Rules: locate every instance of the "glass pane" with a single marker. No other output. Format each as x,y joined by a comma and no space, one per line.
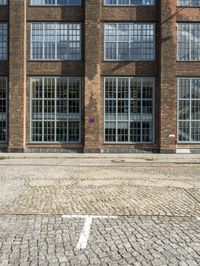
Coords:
55,109
189,109
129,109
56,41
184,131
3,109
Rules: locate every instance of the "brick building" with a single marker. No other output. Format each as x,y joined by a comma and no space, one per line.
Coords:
99,75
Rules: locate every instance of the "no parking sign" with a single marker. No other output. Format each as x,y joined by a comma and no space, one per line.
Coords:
91,120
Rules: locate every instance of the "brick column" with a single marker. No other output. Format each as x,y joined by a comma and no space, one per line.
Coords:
17,74
168,76
92,75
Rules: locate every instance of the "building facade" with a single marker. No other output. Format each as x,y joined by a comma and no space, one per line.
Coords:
99,75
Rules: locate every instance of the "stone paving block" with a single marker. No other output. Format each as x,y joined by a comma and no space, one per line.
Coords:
111,200
158,250
156,207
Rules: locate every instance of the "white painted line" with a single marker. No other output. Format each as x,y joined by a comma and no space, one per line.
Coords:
79,216
82,243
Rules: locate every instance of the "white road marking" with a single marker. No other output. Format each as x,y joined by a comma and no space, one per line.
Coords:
82,243
84,236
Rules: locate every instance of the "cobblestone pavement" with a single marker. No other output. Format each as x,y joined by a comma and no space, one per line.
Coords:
58,198
145,211
46,240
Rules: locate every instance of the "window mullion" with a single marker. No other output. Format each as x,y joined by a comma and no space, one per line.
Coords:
80,108
6,88
117,46
43,110
31,40
129,114
68,81
190,138
129,43
68,31
31,111
55,106
116,109
142,32
141,111
56,40
190,41
43,39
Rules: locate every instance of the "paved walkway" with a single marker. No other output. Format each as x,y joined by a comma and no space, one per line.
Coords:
99,210
103,156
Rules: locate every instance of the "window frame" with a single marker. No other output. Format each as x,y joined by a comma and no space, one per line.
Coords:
56,59
177,109
54,5
6,120
129,5
153,114
190,5
43,120
4,4
7,41
190,42
117,42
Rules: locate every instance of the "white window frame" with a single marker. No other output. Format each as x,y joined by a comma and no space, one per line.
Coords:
43,120
189,5
43,53
129,120
142,4
190,43
190,120
49,5
117,44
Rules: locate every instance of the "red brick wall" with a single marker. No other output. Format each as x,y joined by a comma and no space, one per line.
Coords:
92,75
168,86
17,75
93,68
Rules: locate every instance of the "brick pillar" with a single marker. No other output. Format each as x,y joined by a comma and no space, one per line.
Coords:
92,75
168,76
17,74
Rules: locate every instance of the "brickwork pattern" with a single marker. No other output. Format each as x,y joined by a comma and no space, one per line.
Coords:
92,68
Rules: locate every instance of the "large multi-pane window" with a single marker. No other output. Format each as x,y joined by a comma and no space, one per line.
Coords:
129,110
3,41
3,109
3,2
55,2
55,110
188,42
56,41
189,2
129,41
189,109
129,2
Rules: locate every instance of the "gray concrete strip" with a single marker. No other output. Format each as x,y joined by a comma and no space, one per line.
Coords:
117,156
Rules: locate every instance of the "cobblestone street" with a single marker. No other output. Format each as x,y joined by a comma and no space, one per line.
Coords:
100,210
